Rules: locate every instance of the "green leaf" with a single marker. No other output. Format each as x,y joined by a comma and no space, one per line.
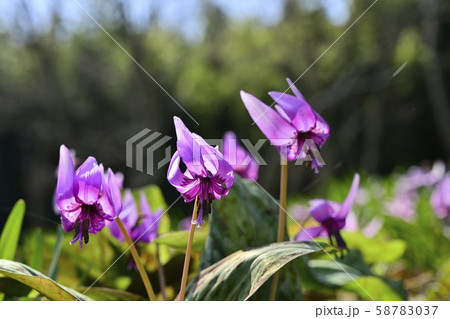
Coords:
179,239
376,249
13,288
37,259
109,294
374,287
34,279
246,217
11,232
53,268
332,273
240,275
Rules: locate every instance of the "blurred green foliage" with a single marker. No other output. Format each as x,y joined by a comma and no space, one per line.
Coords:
77,87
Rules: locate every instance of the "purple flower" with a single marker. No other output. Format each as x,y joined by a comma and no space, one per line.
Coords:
142,227
293,127
440,198
403,206
331,216
208,175
243,163
87,198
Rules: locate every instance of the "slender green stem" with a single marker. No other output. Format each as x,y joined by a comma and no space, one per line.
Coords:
187,257
281,221
137,260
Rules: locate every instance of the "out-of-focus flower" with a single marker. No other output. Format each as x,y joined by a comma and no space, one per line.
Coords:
331,216
440,198
142,227
87,198
417,177
184,224
294,128
405,199
243,163
403,206
369,230
208,175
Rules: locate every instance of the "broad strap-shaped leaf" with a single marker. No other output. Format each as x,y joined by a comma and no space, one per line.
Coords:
34,279
11,232
246,217
109,294
240,275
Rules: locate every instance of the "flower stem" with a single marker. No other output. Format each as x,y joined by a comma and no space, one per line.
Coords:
187,257
137,260
281,221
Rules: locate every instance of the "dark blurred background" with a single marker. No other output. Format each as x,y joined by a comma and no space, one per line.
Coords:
64,81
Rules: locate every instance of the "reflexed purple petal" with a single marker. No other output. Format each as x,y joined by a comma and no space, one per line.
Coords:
113,192
294,89
321,131
129,213
348,203
188,148
64,189
243,162
88,181
145,207
274,127
300,113
188,187
321,209
308,234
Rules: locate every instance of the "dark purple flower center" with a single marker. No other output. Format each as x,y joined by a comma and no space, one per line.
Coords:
83,223
333,226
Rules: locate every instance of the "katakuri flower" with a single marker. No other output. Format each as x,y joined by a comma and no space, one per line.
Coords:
331,216
440,198
87,198
144,227
208,175
294,128
243,163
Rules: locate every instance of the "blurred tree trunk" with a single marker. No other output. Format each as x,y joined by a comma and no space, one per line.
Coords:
433,74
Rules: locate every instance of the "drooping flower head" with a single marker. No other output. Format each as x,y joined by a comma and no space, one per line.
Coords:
143,227
440,198
243,163
87,198
294,128
208,175
331,216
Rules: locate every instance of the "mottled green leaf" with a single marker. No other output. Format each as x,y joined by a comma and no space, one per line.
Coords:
246,217
34,279
109,294
240,275
9,238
